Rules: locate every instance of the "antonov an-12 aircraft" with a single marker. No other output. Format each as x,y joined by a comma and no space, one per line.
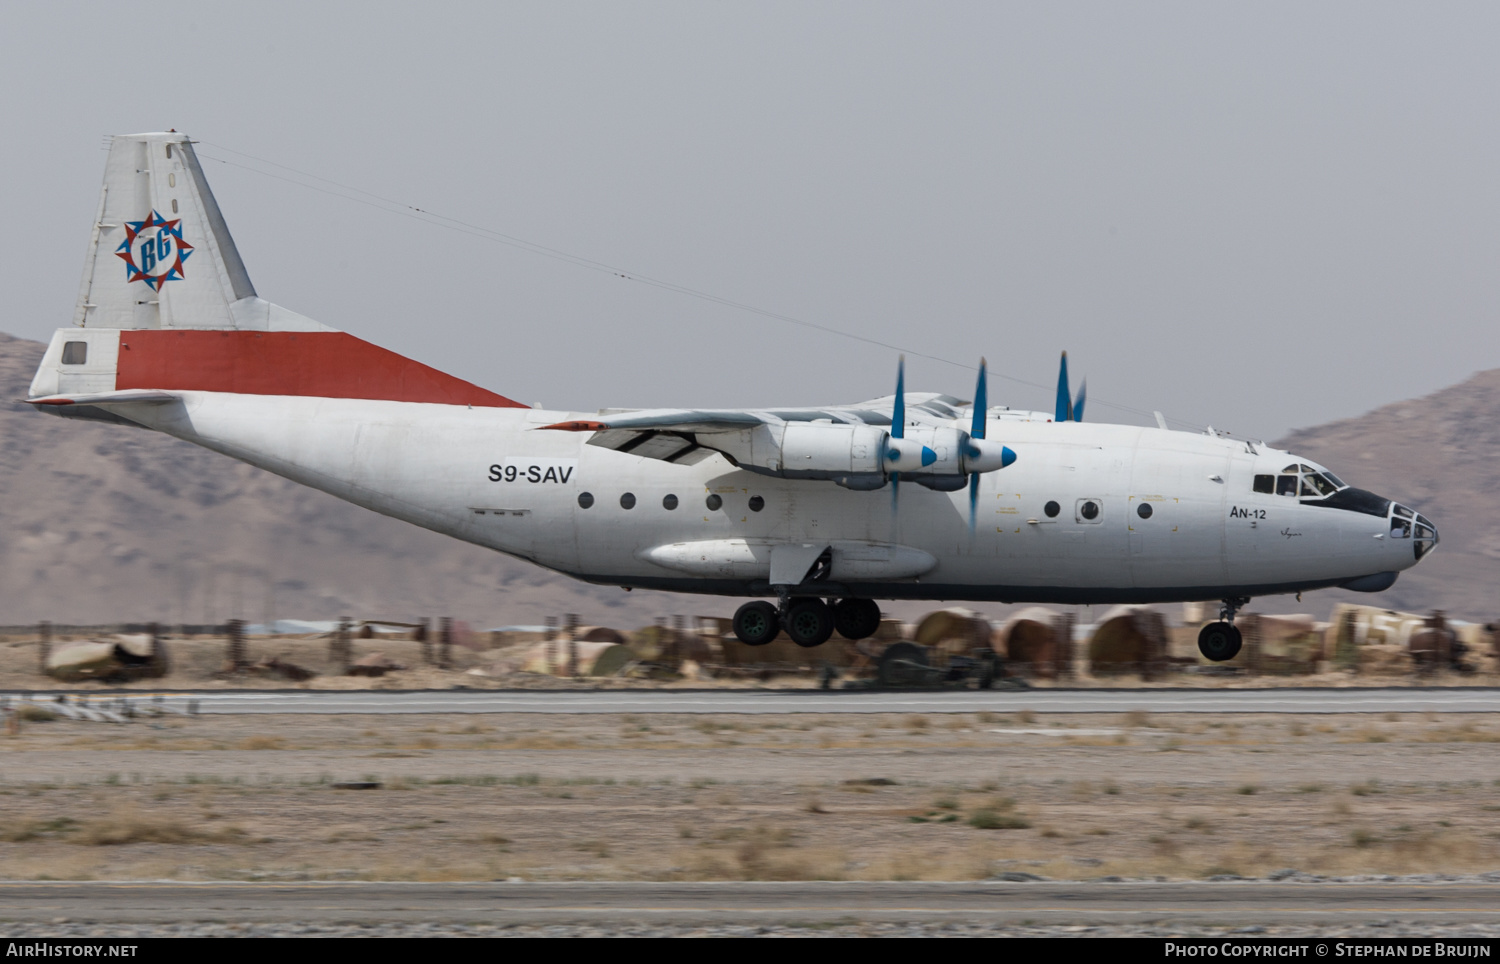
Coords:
823,509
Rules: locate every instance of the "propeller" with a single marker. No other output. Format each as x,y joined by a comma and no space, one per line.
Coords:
976,431
1067,409
977,454
898,429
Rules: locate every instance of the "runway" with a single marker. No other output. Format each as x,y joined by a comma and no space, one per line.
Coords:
1351,700
1260,902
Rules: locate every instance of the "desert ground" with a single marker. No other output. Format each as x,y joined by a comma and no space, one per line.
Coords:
771,797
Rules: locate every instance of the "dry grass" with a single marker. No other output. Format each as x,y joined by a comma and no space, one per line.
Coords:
987,819
127,825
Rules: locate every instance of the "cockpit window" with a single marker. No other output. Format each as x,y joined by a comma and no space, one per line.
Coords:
1316,486
1402,511
1302,479
1265,483
1400,529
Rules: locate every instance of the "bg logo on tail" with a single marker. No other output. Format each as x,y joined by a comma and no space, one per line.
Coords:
153,251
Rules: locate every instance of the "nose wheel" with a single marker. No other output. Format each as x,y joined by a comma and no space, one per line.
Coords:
1221,641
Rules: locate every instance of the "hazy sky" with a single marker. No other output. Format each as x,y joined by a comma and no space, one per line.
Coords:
1262,216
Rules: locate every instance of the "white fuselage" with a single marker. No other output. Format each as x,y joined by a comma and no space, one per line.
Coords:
492,477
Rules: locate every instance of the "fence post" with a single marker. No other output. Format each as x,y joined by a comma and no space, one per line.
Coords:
235,630
339,648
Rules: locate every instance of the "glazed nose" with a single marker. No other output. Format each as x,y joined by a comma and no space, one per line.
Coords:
1425,538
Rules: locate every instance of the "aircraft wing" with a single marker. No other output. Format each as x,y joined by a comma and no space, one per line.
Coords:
688,436
671,435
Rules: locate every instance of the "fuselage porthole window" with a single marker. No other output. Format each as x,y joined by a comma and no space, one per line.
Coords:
1089,510
714,503
585,499
1143,510
627,501
669,502
757,503
1052,509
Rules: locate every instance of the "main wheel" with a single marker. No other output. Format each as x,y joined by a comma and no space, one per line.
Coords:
755,623
809,622
1219,641
856,618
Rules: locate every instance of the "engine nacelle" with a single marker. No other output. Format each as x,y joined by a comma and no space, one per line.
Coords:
828,450
865,456
926,451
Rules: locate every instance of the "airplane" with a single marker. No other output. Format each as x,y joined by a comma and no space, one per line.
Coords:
813,512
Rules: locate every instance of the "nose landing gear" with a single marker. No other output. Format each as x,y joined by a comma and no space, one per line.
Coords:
1221,641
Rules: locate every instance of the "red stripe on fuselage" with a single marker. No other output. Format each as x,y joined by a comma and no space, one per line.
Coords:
326,364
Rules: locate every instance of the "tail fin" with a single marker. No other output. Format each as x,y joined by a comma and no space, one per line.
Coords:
161,255
167,305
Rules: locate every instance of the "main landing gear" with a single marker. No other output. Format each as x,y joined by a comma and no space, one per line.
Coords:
1221,641
808,620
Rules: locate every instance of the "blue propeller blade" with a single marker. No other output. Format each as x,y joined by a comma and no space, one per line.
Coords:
898,410
1064,396
1078,405
976,430
981,404
898,426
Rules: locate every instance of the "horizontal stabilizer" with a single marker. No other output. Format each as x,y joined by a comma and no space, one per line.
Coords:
131,397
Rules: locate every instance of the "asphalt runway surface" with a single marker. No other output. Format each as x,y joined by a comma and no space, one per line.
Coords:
1227,903
1350,700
